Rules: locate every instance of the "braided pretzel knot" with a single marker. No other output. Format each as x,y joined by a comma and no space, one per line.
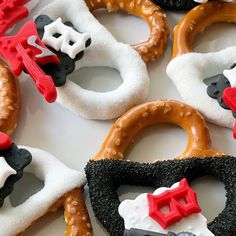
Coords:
156,44
197,20
130,124
9,99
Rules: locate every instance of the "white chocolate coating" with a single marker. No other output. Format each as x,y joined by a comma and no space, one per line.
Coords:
58,180
136,215
104,51
188,71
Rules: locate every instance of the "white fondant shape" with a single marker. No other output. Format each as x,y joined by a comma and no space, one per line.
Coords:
188,72
231,76
58,180
136,215
62,43
5,171
104,51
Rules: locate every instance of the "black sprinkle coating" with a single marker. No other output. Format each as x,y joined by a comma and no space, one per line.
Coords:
104,178
58,72
176,4
216,88
17,159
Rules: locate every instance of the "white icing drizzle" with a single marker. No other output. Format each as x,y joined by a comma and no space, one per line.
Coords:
5,171
136,215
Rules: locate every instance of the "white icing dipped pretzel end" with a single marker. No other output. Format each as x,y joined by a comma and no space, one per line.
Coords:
104,51
62,187
189,70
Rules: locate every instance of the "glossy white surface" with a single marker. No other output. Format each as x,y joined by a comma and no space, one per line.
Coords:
74,140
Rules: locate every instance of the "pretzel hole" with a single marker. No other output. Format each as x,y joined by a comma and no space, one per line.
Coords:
215,38
124,27
210,190
143,149
131,192
25,188
99,79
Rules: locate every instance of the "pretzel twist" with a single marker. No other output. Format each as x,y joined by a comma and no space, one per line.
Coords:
9,99
197,20
130,124
156,44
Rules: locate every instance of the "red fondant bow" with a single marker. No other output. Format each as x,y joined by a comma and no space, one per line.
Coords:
181,201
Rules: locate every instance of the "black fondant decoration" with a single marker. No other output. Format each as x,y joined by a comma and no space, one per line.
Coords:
139,232
17,159
105,177
67,65
216,88
176,4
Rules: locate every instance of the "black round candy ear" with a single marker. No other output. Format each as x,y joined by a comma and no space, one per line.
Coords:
105,176
17,159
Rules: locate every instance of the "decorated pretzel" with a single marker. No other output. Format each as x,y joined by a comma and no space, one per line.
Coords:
190,71
130,124
63,187
63,28
10,99
156,44
173,208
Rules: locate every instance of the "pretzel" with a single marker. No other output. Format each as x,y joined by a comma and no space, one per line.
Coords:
9,99
130,124
75,213
156,44
63,190
197,20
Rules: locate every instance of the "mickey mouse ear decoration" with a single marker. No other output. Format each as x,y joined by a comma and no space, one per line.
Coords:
12,163
66,42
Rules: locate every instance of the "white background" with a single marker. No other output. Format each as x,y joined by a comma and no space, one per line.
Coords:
74,140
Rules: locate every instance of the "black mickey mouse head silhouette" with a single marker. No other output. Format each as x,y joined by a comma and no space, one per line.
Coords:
60,71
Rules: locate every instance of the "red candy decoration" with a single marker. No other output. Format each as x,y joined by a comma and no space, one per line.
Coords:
229,97
5,141
11,11
24,52
181,201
